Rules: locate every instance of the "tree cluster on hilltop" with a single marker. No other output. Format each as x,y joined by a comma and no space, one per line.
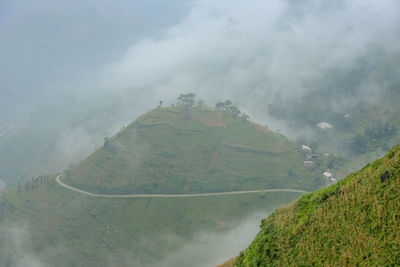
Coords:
228,106
186,100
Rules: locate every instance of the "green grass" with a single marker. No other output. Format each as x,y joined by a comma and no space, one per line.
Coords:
69,229
167,150
355,222
178,150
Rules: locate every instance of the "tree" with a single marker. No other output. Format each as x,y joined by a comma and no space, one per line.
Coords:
359,144
228,104
235,111
244,116
220,105
109,146
314,146
186,100
335,161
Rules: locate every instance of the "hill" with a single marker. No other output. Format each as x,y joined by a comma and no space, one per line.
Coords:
359,102
192,150
60,227
354,222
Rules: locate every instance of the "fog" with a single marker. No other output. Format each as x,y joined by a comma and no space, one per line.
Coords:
45,45
210,248
107,62
206,248
18,250
74,72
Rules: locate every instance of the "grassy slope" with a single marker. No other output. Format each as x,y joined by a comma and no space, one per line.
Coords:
176,150
354,222
68,229
65,228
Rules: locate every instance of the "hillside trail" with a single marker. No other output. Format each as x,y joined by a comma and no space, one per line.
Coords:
175,195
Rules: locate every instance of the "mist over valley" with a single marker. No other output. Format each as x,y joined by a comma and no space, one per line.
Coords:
164,133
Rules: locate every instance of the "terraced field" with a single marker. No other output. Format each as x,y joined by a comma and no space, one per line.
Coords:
200,150
64,228
195,152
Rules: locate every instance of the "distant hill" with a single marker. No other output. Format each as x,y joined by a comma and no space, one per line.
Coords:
355,222
359,102
192,150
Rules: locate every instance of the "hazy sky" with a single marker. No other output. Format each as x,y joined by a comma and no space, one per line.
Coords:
61,59
246,51
103,63
46,47
157,49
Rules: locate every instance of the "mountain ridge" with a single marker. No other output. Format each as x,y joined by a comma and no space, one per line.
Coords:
67,228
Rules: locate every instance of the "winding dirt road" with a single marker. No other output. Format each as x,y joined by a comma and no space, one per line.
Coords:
175,195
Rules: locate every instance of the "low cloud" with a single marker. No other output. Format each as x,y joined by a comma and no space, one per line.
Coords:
211,248
206,248
17,252
251,53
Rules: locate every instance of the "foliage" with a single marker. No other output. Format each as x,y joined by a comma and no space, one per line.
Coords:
354,222
364,120
162,151
187,100
334,161
375,136
229,107
65,228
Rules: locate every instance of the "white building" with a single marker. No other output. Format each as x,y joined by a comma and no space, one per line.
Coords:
324,125
306,148
328,176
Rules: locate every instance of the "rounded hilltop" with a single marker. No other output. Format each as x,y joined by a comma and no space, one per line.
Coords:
187,149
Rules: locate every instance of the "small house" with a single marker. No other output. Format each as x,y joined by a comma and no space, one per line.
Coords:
324,125
312,156
306,148
328,176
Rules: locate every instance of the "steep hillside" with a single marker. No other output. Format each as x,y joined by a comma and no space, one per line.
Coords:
59,227
182,150
355,222
166,150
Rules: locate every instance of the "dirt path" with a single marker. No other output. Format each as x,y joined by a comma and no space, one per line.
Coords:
175,195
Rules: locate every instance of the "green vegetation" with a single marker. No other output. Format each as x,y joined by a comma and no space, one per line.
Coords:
187,149
352,223
365,120
35,149
64,228
179,149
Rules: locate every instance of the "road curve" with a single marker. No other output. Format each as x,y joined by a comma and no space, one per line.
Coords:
175,195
